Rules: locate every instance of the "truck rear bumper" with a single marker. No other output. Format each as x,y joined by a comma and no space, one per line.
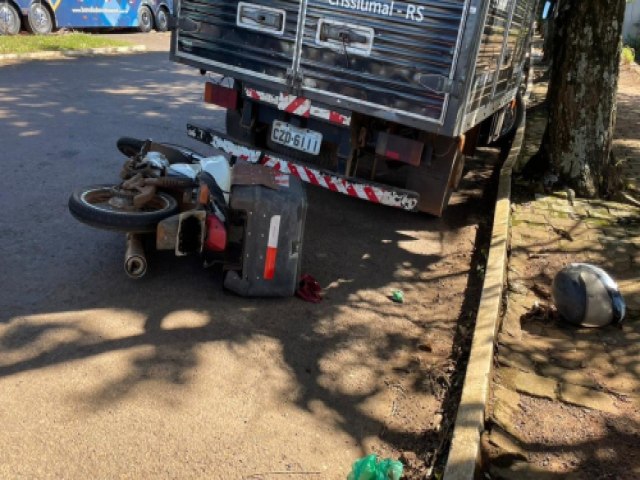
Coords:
352,187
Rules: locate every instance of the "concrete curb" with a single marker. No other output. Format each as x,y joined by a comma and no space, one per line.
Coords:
463,459
89,52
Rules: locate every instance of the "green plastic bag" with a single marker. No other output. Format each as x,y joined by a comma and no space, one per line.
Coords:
369,468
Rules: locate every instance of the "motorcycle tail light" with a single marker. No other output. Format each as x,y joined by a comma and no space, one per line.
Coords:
203,194
216,240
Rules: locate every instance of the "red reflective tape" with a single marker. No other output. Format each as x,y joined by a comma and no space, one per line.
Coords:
331,184
392,154
294,170
335,117
270,263
253,93
272,248
370,194
270,162
293,106
350,190
312,178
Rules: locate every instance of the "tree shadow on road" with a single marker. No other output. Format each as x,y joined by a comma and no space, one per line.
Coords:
382,370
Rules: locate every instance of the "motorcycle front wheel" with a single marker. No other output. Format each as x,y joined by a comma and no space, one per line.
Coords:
91,205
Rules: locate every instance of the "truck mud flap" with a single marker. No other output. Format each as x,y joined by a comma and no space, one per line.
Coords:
352,187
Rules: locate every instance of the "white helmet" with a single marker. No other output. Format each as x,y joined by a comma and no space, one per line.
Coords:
586,295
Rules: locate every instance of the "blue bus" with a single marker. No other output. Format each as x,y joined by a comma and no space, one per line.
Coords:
44,16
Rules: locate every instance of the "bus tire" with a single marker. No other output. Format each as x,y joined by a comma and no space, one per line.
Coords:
162,20
9,19
39,19
145,19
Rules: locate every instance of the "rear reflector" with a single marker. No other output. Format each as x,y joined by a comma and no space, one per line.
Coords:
222,96
399,148
272,248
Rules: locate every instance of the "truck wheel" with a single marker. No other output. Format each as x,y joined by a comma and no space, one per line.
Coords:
9,20
162,20
39,19
438,179
145,19
512,120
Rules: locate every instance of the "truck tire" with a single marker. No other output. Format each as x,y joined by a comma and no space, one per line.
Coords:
90,205
145,19
437,180
9,19
39,19
162,20
513,119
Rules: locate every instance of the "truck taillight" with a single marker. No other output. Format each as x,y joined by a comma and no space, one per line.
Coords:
219,95
399,148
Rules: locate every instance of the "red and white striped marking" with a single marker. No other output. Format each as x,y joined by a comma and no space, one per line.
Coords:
282,180
373,193
330,182
298,106
272,248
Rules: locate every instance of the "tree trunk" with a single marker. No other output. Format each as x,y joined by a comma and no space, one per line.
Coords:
582,93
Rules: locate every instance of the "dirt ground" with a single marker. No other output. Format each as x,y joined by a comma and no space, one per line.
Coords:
562,440
279,385
170,377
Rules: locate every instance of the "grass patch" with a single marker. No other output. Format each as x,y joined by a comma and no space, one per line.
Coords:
58,42
628,55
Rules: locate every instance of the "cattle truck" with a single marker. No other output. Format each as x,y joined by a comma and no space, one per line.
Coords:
375,99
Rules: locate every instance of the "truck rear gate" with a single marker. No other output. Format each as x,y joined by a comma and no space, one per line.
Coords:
363,54
419,75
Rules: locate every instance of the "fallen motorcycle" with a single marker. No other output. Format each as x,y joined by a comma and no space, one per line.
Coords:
248,218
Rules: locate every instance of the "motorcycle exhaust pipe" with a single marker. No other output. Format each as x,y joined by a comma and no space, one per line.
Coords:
135,262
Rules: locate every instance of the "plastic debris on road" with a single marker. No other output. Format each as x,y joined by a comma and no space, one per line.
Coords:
397,296
370,468
309,289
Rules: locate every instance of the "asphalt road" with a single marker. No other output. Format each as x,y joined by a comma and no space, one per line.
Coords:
169,377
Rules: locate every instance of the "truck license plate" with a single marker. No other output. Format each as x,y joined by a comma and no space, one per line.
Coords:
299,138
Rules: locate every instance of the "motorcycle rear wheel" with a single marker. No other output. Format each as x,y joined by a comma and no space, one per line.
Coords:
90,205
